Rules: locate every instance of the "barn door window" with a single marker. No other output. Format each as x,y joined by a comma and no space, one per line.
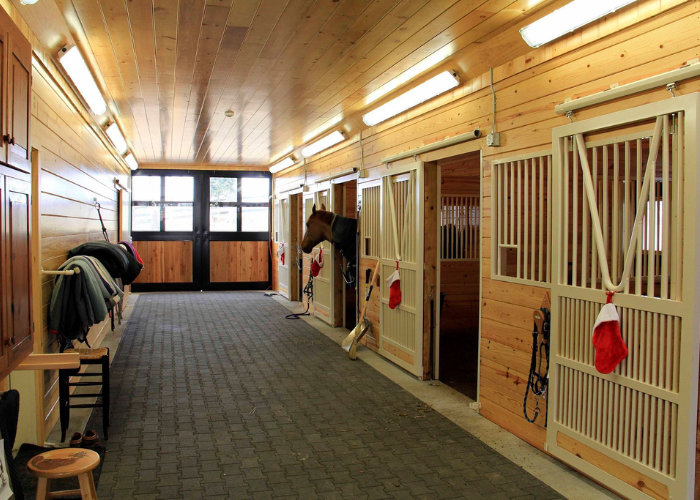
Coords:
521,226
460,227
369,221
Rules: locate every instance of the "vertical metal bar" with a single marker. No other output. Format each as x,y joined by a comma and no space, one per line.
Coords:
541,231
512,204
549,219
574,224
519,215
639,259
652,240
627,210
665,209
585,214
606,211
615,244
526,221
594,254
677,249
533,226
565,214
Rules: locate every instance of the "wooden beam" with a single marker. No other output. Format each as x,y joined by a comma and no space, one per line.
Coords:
431,211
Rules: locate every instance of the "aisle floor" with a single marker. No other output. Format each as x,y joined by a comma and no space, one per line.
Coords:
216,395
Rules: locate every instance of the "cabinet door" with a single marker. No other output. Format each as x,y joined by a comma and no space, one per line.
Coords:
3,88
18,244
5,345
19,104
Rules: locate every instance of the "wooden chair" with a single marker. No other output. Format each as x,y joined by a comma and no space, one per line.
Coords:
62,463
98,356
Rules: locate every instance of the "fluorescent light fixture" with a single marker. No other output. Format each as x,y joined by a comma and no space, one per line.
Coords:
74,64
330,140
131,161
28,2
567,19
433,59
423,92
326,126
281,165
115,135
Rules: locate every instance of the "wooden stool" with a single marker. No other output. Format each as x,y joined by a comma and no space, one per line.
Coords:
62,463
98,356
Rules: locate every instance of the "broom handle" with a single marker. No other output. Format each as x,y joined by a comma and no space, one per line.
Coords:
369,292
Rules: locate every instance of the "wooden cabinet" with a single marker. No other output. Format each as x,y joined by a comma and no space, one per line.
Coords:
15,95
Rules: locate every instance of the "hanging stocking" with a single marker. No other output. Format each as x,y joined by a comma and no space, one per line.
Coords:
317,264
610,349
394,284
281,252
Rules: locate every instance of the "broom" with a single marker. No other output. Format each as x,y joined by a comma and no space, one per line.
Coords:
350,342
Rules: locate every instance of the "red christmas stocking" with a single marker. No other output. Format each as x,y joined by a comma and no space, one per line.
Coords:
394,284
317,264
610,349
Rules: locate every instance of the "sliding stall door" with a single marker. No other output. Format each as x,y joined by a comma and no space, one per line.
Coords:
324,282
625,218
282,234
402,247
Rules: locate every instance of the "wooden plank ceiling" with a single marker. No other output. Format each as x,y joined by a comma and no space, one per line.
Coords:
287,68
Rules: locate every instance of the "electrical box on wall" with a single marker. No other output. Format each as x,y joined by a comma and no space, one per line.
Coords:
493,139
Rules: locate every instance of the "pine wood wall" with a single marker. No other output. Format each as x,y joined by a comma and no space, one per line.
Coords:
652,37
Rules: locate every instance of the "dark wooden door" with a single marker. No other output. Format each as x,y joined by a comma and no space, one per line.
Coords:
19,94
18,238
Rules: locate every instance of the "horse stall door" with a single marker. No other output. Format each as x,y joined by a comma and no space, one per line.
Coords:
402,248
323,283
369,200
625,220
284,252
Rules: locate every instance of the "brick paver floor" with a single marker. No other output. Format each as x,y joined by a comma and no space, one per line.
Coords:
216,395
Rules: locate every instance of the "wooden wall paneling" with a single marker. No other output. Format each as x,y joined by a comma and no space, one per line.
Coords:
238,261
165,261
373,336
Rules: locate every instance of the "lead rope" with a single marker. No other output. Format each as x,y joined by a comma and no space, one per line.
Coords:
309,292
536,382
104,229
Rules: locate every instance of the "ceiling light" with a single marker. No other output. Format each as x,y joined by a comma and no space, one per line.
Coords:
28,2
115,135
427,90
74,64
433,59
325,143
567,19
131,161
281,165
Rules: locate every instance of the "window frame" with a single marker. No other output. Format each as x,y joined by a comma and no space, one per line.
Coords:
201,206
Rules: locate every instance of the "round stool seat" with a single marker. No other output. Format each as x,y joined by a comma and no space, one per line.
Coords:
63,462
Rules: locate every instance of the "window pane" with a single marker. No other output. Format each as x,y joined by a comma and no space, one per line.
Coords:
146,188
223,219
254,219
223,189
179,188
146,218
179,217
255,189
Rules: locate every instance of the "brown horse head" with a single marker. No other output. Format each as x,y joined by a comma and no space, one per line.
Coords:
318,228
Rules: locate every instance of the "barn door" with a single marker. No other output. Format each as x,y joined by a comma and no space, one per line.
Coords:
323,283
625,220
283,237
402,247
